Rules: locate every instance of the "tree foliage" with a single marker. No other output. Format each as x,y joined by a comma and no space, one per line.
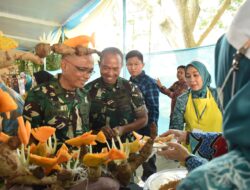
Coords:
192,16
53,62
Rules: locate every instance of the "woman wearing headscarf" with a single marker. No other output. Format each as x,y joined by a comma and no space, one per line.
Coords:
232,170
198,108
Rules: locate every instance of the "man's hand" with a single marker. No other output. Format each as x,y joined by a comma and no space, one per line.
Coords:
174,151
108,132
179,135
158,82
119,130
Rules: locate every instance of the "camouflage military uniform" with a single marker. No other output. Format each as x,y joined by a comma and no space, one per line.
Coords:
113,105
50,104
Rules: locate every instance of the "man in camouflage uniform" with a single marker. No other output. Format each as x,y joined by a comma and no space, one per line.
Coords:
62,102
117,105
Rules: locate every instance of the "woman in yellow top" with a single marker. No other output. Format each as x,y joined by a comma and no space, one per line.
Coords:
198,110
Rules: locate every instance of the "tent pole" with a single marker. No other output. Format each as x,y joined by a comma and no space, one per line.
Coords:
124,34
44,64
63,34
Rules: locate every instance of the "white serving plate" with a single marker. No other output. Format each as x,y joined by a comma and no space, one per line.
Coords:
155,181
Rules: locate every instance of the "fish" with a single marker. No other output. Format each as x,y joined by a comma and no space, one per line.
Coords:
82,40
7,43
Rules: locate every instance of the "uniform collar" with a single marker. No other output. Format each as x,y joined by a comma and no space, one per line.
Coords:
138,77
72,92
117,85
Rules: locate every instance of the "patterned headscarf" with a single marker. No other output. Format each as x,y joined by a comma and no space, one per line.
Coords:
236,123
206,78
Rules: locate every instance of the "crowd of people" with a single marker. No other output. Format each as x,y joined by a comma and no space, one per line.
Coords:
211,127
21,83
231,169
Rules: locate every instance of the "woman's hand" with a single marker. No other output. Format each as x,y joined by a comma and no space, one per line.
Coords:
174,151
179,135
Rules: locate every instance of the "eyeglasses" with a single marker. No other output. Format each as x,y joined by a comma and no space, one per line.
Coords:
82,69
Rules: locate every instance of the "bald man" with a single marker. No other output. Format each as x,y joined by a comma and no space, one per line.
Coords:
62,102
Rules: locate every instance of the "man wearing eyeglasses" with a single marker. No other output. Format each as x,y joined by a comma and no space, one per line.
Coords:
62,102
117,105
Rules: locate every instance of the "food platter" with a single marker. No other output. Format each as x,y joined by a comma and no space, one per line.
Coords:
155,181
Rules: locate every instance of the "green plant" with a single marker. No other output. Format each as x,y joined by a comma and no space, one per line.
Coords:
28,67
53,62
